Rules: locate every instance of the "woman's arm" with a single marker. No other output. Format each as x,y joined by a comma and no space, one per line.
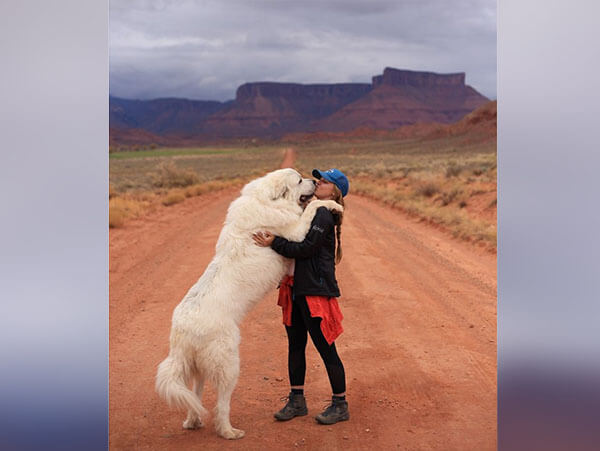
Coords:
320,226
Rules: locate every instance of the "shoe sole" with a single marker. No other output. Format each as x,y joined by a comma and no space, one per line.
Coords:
322,420
301,414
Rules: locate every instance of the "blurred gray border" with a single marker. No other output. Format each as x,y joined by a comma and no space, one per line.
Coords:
54,228
54,235
548,225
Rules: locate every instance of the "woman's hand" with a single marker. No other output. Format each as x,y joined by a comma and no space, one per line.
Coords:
263,239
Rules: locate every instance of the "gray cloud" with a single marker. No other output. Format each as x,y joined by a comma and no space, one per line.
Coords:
206,49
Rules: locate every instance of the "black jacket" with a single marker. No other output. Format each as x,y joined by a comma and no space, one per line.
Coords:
314,273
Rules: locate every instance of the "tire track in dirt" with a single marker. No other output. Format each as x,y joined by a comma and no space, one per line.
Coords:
419,376
289,158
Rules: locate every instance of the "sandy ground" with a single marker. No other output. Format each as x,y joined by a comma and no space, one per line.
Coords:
419,345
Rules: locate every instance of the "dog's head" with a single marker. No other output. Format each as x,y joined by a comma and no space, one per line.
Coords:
285,184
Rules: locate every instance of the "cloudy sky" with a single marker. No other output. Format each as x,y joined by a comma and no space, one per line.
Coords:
203,49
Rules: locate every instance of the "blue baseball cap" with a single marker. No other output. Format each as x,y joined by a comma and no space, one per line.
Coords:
334,176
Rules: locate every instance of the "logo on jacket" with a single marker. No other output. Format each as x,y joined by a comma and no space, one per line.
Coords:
316,227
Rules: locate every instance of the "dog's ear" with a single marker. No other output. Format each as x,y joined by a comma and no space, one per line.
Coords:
277,186
267,188
281,194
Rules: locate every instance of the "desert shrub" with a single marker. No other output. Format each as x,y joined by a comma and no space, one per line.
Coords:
198,190
169,176
145,196
121,208
462,204
173,197
452,171
493,203
448,197
379,170
401,172
427,189
116,217
192,191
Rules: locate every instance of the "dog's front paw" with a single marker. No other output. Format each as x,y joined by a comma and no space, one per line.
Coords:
329,204
232,434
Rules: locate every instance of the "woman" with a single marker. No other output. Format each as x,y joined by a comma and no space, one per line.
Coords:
313,306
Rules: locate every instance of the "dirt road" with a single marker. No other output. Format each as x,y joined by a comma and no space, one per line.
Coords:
419,345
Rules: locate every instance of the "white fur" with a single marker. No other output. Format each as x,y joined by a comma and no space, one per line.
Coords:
205,333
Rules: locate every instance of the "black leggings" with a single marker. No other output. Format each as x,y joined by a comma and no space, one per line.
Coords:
297,338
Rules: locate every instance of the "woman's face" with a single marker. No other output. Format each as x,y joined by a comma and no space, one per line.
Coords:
324,190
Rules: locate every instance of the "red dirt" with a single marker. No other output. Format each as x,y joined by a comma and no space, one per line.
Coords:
482,206
419,345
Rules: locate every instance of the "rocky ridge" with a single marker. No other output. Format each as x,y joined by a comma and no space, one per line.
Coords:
270,109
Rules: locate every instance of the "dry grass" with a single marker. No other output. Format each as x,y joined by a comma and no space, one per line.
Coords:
436,180
447,197
173,197
122,208
133,204
453,170
173,168
169,176
457,221
427,189
142,181
432,180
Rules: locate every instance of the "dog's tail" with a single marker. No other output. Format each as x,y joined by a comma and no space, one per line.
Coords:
171,385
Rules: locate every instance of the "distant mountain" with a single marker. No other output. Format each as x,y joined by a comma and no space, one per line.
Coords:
483,120
269,109
161,116
403,97
477,126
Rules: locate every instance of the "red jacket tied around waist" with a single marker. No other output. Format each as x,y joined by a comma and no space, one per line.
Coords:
324,307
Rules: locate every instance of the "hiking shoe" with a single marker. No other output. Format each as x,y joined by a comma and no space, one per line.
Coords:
337,411
295,407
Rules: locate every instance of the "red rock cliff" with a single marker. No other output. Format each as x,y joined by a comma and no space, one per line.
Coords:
400,77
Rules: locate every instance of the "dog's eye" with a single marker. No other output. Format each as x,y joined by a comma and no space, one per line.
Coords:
299,181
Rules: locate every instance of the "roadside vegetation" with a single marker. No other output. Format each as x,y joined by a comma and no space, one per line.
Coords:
142,181
449,182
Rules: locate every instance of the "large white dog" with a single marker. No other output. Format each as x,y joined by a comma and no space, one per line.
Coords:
205,333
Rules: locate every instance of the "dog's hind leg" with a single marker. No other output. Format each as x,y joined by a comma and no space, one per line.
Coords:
193,421
225,380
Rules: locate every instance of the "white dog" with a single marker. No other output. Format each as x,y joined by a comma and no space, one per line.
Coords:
205,333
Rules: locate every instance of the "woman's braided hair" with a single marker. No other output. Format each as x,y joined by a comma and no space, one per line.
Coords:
338,217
